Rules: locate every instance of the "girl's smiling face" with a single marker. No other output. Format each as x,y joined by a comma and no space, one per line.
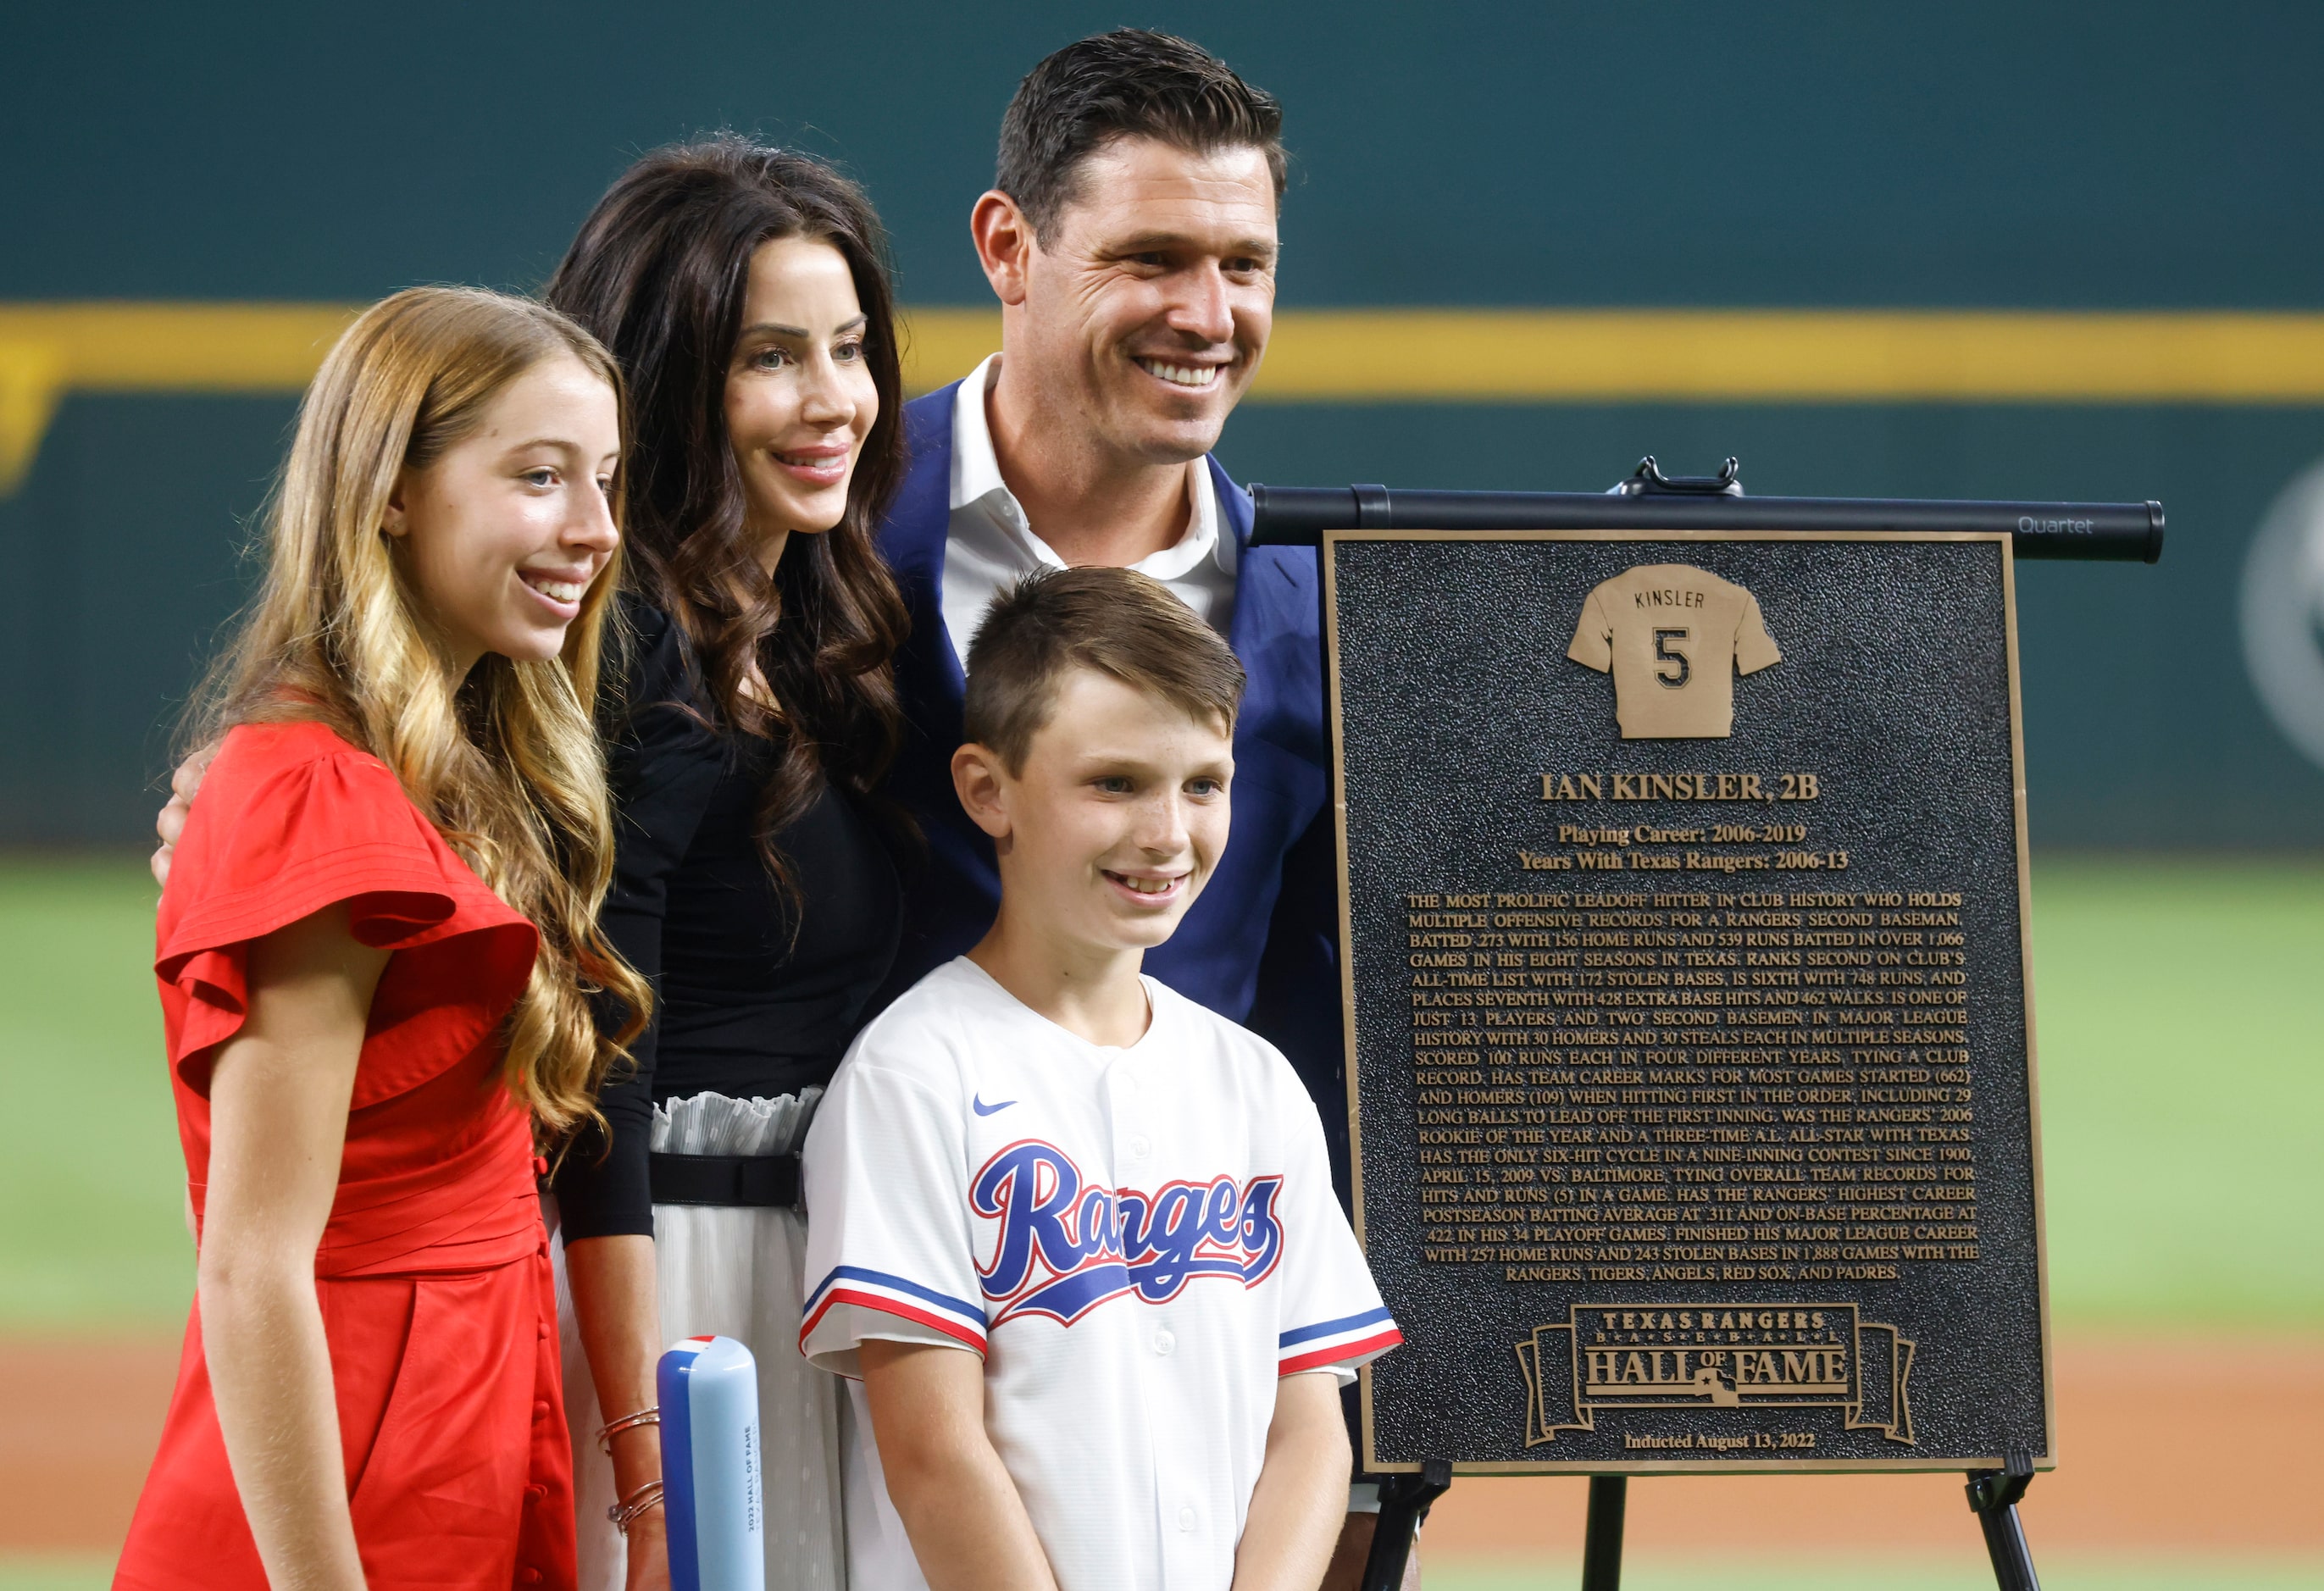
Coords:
505,532
799,393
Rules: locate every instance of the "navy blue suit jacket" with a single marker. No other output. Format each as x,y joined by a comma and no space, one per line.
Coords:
1260,944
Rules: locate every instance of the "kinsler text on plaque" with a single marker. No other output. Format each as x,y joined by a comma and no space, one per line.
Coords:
1691,1047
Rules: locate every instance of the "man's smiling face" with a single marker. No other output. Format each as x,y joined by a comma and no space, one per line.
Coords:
1148,304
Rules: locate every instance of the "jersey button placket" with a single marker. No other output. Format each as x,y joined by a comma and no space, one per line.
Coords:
1133,1146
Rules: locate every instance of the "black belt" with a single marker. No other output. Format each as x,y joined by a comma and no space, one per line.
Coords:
753,1181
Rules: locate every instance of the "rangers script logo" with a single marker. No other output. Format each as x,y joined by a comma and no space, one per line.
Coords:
1063,1248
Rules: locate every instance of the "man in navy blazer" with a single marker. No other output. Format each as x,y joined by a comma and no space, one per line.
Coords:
1130,236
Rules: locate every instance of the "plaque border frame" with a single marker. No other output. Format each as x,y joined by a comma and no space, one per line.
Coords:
1369,1460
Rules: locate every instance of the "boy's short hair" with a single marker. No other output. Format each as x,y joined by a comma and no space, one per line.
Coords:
1117,622
1130,83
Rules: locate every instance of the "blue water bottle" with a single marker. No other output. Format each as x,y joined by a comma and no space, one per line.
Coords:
711,1499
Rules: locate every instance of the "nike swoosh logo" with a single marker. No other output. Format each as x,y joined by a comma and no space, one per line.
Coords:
981,1109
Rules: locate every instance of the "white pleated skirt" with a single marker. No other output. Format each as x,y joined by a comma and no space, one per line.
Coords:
738,1272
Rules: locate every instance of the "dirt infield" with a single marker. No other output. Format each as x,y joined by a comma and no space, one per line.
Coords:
78,1420
2167,1443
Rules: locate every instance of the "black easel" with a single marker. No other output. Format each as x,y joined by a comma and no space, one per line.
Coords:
1993,1495
1404,1503
1405,1499
1601,1546
1601,1535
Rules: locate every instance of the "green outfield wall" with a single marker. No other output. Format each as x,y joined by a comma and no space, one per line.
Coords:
2141,160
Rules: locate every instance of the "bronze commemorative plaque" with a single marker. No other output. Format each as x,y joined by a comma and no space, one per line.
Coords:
1691,1043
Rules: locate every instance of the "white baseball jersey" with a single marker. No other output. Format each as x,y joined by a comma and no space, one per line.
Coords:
1139,1241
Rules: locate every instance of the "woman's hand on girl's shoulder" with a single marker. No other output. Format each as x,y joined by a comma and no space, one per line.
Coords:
170,822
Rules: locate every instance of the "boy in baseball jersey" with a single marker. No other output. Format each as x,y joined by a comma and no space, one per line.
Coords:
1073,1234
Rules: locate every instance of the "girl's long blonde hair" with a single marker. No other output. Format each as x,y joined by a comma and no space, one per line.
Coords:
506,763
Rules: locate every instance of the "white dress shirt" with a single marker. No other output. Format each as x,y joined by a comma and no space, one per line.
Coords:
990,546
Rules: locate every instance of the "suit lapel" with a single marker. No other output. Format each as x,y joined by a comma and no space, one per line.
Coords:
912,539
1243,625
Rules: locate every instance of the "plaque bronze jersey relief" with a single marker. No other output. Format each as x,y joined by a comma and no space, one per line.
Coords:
1691,1039
1673,638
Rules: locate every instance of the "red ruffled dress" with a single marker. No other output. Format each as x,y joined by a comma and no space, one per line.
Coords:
433,1272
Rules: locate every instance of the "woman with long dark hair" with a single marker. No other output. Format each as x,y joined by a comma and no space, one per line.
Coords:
750,715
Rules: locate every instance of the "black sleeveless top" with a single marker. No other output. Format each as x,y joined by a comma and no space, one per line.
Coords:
753,999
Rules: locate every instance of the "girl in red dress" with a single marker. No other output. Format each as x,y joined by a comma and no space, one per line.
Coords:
375,953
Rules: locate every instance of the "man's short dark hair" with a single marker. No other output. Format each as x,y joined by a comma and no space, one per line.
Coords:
1116,621
1130,83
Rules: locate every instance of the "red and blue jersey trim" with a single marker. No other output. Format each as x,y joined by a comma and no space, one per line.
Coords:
1350,1340
891,1294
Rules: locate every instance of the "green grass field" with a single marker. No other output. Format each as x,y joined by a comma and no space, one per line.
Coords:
2179,1006
2180,1010
93,1237
2180,1025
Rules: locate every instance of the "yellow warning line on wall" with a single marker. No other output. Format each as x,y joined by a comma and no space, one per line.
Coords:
1806,356
1353,356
